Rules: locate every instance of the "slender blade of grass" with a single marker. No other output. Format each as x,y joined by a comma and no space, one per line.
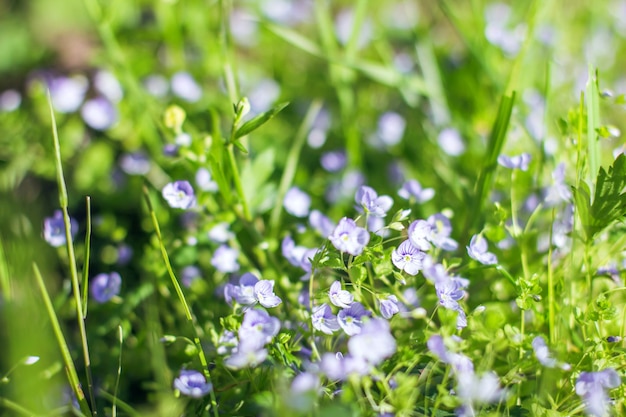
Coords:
85,284
292,163
5,280
593,123
63,201
495,144
65,351
182,299
119,373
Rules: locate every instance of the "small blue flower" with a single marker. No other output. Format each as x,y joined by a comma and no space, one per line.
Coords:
440,231
54,229
99,113
419,234
477,250
542,353
192,383
351,319
136,163
373,343
340,298
389,307
105,286
413,189
322,224
408,258
333,161
179,194
264,293
592,388
225,259
190,274
297,202
185,87
324,320
515,162
369,200
348,237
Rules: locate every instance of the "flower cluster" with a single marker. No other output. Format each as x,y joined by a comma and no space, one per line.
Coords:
257,329
251,290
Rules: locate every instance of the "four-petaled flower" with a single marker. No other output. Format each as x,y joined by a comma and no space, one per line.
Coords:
340,298
351,319
477,250
348,237
324,320
515,162
413,189
179,194
54,229
297,202
192,383
408,258
225,259
105,286
377,206
592,387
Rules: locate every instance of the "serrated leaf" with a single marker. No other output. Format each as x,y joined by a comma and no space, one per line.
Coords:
609,200
259,120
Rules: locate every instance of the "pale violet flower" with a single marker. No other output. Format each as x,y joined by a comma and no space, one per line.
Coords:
373,343
369,200
515,162
10,100
322,224
135,163
592,387
179,194
252,290
324,320
413,189
264,293
339,367
192,384
107,85
419,234
221,233
340,298
204,180
333,161
440,232
450,142
225,259
99,113
389,307
408,258
297,202
67,93
351,319
348,237
190,274
391,128
54,229
477,250
542,353
258,328
105,286
185,87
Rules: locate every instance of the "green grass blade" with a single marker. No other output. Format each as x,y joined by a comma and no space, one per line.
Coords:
85,284
292,163
495,144
65,351
181,297
119,373
5,279
593,123
63,201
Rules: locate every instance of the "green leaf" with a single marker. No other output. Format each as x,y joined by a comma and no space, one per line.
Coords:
295,39
255,177
609,200
258,121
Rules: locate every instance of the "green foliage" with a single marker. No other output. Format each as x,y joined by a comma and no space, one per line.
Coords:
609,199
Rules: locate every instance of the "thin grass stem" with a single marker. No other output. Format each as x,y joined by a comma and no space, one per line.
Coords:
65,351
182,299
63,201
